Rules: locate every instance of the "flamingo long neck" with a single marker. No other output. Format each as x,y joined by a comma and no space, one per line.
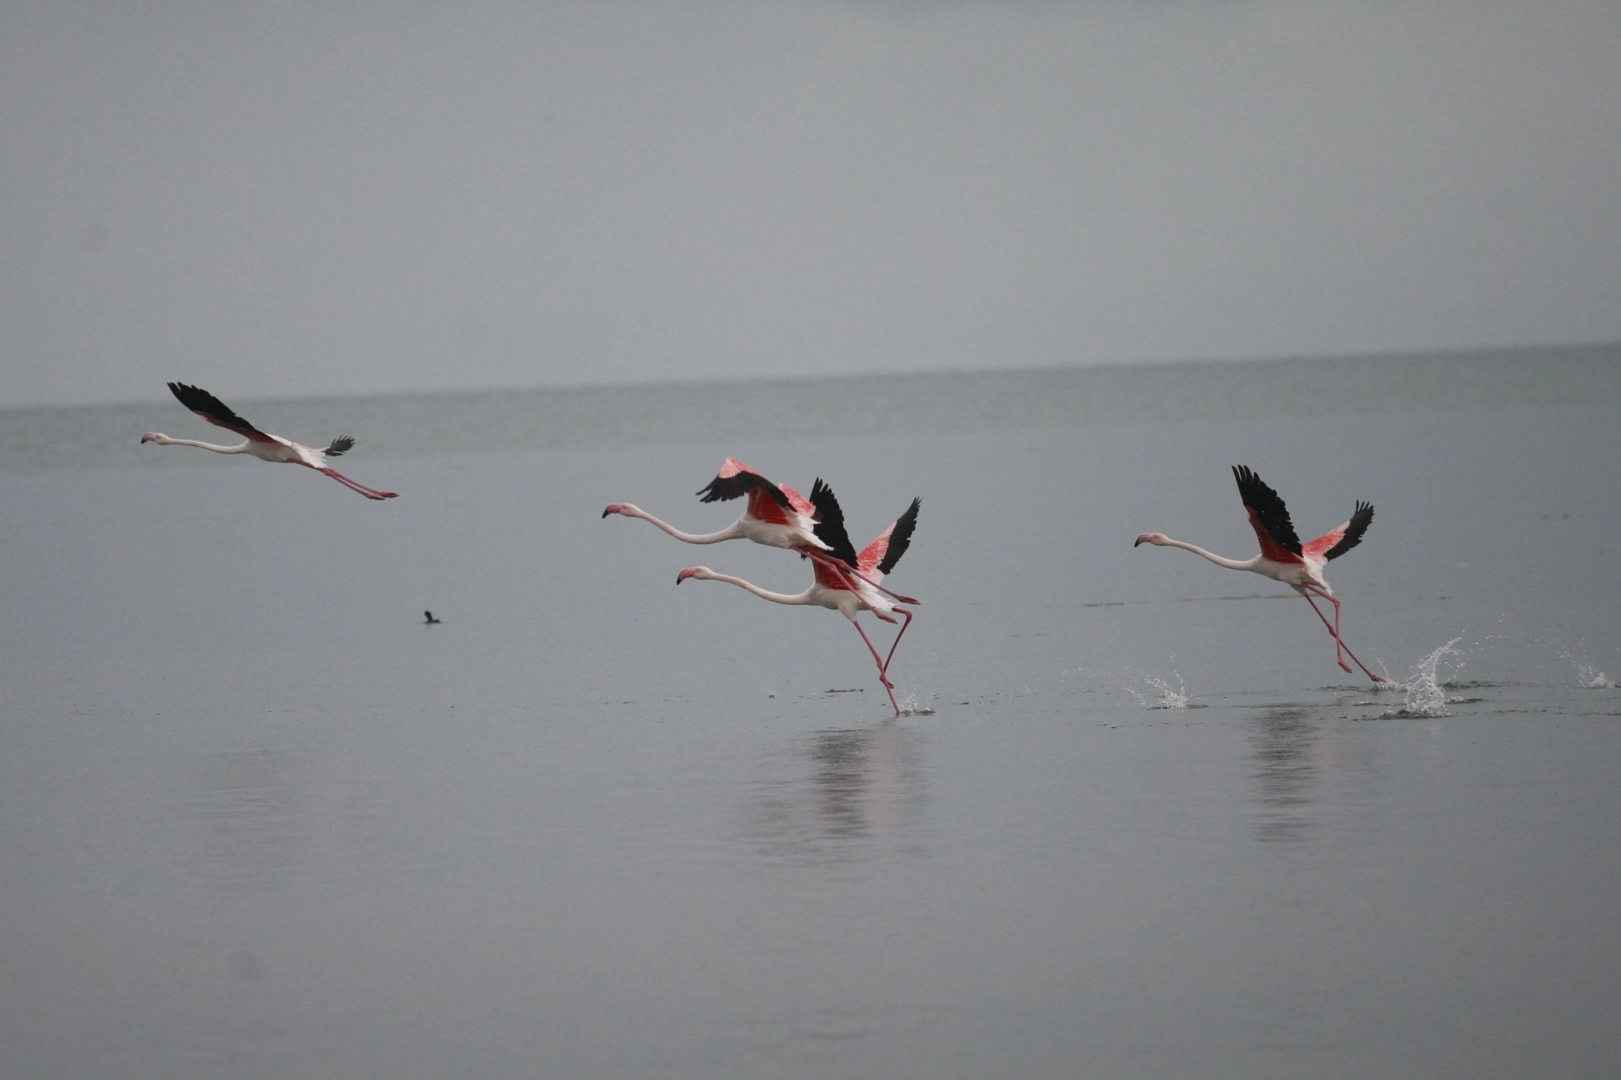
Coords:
765,594
729,533
1231,564
239,448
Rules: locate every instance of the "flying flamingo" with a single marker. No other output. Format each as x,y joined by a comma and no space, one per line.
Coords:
775,515
258,444
847,593
1283,557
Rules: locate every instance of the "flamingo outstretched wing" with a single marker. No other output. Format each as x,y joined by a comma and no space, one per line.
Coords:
767,502
1268,516
215,411
874,562
879,557
1336,542
829,526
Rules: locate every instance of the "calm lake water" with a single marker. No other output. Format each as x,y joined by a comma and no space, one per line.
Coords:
260,820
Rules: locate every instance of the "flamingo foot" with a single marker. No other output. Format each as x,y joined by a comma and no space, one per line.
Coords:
1345,667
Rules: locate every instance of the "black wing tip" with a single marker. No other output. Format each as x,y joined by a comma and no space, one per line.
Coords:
900,537
1251,488
1248,478
189,395
204,404
1361,517
905,524
339,446
1267,505
727,488
712,492
829,526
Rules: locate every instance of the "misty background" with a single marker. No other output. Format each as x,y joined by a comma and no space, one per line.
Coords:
309,199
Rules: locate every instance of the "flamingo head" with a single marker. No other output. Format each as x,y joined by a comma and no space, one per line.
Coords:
154,436
620,508
694,571
1158,539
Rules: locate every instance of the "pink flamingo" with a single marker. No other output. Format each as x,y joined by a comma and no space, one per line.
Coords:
775,515
260,445
1283,557
847,593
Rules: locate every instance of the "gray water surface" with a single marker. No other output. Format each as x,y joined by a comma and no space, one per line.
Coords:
259,820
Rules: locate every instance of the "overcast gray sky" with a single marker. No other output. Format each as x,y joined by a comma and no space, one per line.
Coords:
307,198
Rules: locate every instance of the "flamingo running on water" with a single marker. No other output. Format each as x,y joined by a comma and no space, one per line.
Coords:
847,593
258,444
1283,557
775,515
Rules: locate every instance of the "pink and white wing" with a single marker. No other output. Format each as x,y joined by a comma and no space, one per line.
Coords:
735,480
1336,542
879,557
767,503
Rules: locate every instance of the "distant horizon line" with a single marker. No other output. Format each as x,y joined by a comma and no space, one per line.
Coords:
732,380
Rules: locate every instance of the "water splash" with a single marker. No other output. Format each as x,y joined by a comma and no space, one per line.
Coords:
1168,698
1592,679
1588,676
912,705
1389,683
1425,687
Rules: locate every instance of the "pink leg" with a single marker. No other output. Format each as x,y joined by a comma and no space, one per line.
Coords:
370,493
882,674
850,575
1334,628
897,641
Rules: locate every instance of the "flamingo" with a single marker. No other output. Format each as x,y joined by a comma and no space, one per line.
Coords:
845,592
1283,557
429,620
775,515
258,444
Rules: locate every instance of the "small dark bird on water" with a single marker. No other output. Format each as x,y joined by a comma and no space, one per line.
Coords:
429,619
